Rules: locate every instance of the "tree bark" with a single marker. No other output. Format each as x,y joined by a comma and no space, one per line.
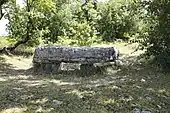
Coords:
2,2
6,50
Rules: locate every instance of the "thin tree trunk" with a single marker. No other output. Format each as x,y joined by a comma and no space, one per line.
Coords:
2,2
6,50
1,13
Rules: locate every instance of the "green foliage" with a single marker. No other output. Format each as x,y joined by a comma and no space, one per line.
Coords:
79,26
157,43
117,21
58,22
81,34
5,41
25,24
50,21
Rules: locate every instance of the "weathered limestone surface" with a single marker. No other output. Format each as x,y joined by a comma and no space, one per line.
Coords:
85,55
49,57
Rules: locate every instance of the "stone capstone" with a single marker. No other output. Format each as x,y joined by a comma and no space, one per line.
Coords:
49,57
85,55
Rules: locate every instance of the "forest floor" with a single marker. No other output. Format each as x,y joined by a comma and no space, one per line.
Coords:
134,86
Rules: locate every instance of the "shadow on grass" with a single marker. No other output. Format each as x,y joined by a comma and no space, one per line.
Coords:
132,85
22,53
121,89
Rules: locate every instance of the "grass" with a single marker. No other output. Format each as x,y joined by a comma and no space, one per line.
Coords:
21,50
133,85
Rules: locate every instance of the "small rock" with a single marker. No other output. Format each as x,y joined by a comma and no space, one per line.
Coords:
122,79
39,110
136,110
139,87
148,98
159,106
143,80
56,102
115,87
118,63
80,96
134,105
145,111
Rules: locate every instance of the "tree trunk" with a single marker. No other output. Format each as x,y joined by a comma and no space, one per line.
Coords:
2,2
6,50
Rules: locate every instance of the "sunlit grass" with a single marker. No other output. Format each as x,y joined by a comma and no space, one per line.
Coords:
18,62
120,90
4,41
14,110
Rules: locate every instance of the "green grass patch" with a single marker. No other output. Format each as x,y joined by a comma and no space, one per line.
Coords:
132,85
129,87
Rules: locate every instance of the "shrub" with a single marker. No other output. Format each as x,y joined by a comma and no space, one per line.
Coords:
157,43
81,34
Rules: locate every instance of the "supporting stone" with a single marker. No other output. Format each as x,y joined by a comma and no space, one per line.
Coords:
55,67
36,67
48,68
88,69
42,67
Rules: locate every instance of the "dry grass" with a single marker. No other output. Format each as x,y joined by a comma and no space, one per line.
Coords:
18,62
120,91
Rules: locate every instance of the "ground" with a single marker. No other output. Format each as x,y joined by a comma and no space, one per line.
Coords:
134,85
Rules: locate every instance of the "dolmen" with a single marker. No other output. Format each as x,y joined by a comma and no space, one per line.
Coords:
49,58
